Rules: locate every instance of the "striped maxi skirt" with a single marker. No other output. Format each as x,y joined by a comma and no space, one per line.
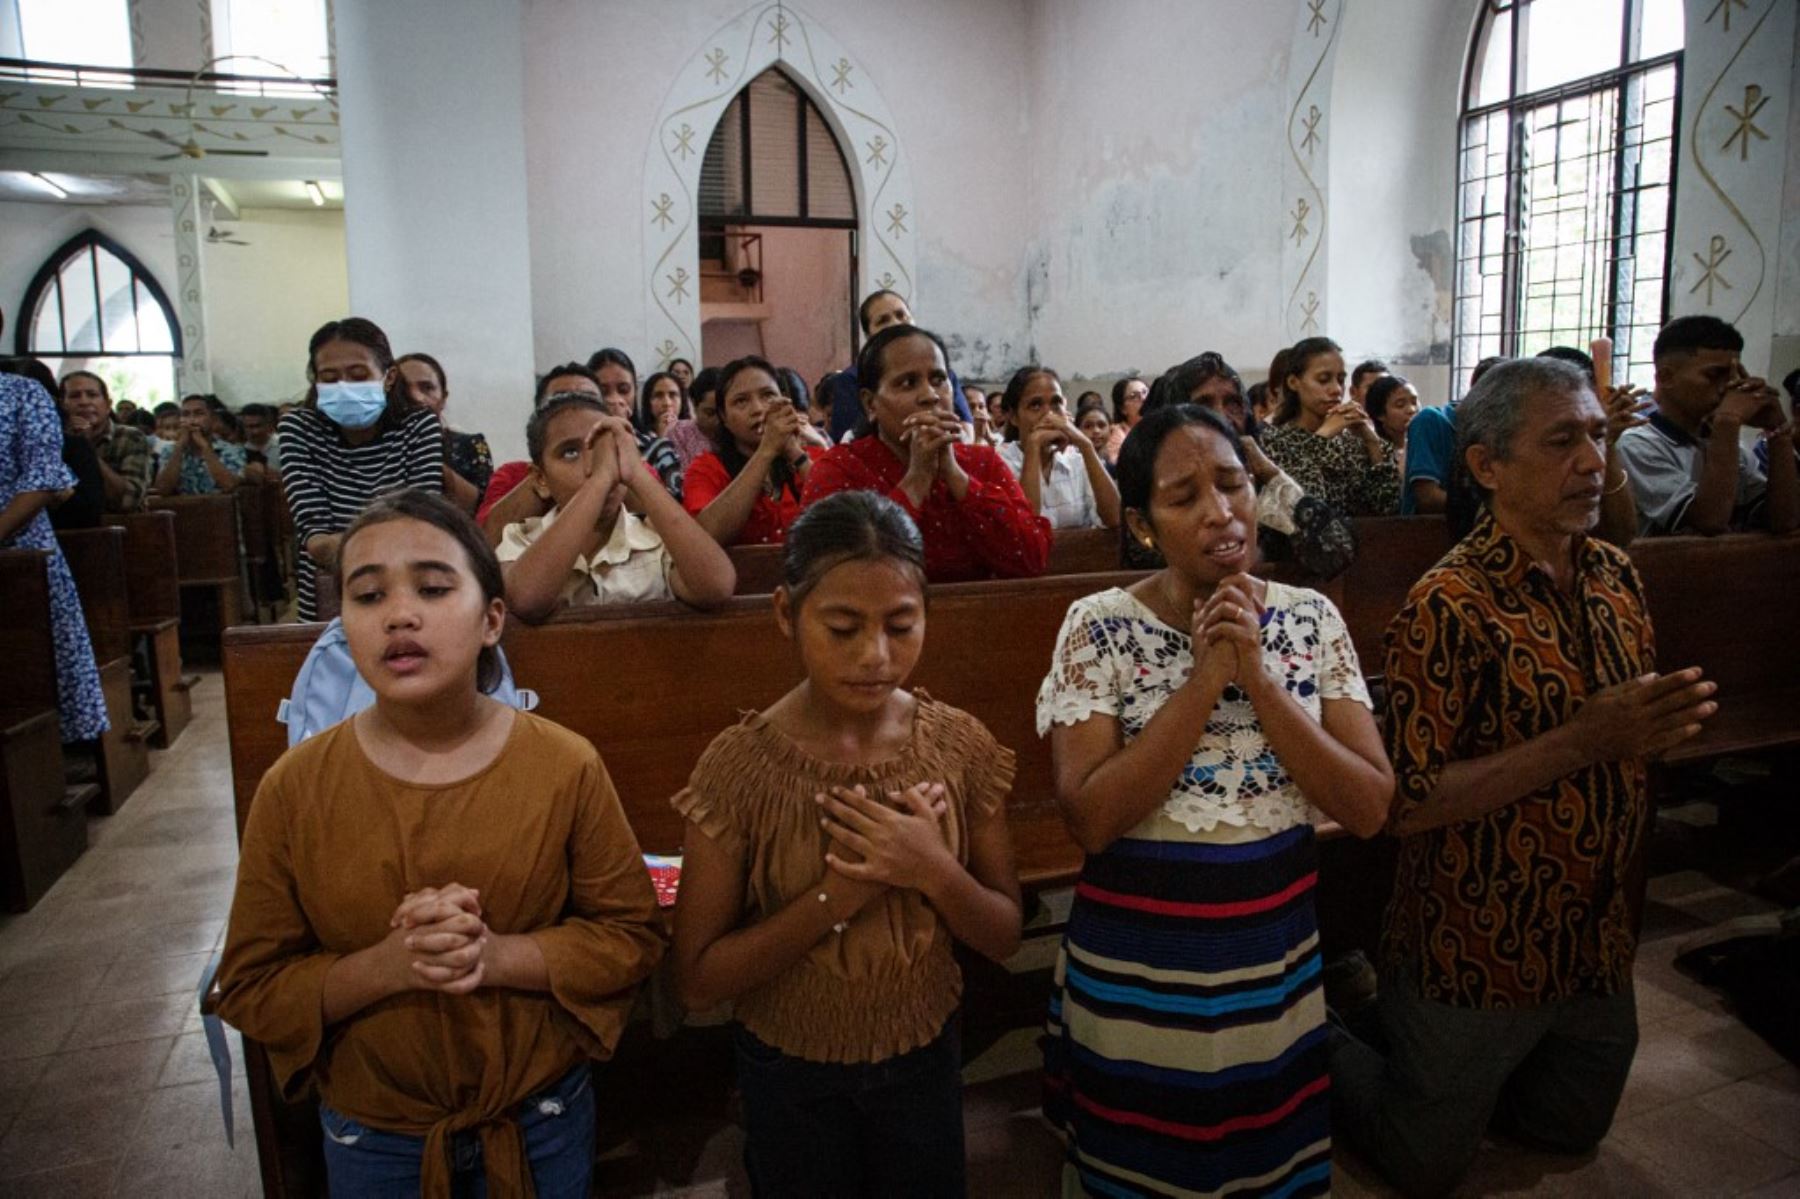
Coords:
1185,1050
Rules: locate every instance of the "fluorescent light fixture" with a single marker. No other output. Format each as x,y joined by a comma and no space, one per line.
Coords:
316,192
58,189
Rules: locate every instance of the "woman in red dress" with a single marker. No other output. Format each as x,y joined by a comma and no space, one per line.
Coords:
975,520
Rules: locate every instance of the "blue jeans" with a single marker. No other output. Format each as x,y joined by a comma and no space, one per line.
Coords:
821,1130
557,1125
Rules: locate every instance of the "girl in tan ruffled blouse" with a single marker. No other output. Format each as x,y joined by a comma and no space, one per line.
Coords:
837,843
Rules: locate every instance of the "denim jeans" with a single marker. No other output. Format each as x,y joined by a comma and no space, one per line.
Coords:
1550,1075
557,1125
820,1129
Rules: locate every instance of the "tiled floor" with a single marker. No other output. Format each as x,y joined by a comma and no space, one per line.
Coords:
106,1087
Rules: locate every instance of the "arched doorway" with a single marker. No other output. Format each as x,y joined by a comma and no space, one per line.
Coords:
777,232
849,107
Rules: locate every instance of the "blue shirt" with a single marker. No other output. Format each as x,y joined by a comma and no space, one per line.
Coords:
195,478
1430,453
843,394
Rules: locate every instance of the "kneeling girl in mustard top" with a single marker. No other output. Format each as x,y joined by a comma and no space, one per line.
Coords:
441,911
837,844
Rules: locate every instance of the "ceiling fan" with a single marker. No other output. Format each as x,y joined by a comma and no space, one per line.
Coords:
216,236
191,148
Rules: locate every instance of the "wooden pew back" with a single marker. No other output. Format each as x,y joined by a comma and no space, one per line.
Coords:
1074,552
96,558
652,691
1392,553
26,644
206,537
1727,604
152,567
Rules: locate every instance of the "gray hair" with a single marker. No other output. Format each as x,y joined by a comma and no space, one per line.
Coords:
1493,411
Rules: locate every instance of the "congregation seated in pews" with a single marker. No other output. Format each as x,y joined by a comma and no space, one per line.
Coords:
1118,689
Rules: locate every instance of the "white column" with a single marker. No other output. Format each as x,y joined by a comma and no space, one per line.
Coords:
193,372
1737,73
431,96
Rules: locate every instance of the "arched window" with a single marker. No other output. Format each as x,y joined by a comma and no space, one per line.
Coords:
93,306
772,160
1565,201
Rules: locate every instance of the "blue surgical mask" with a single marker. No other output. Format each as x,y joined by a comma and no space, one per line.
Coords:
353,405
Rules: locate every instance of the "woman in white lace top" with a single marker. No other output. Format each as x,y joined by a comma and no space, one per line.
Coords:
1198,721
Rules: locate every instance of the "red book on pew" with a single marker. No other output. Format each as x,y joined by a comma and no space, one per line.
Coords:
665,876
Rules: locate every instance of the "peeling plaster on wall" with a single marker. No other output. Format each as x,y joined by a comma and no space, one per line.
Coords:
1144,215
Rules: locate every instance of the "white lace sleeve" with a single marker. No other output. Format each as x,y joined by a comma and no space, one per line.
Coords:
1081,682
1340,674
1275,502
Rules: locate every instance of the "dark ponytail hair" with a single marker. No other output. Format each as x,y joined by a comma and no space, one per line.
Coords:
1377,397
1137,457
1299,356
871,364
1014,395
848,526
568,370
366,333
412,504
611,356
646,421
725,445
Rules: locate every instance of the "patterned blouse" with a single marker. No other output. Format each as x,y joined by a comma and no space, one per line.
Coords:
195,479
1114,657
468,455
1527,904
1337,469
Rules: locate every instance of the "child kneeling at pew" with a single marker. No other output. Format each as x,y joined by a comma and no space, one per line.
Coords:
590,548
836,845
441,911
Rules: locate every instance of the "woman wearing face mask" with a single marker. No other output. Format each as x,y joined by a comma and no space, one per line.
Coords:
359,435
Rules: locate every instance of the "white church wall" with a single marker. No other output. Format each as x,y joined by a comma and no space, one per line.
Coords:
435,194
1784,354
263,299
599,75
1392,137
1155,186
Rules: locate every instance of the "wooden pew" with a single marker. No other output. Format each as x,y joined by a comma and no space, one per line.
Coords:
43,828
614,676
208,553
1074,552
96,559
257,513
1727,604
609,677
153,596
1392,553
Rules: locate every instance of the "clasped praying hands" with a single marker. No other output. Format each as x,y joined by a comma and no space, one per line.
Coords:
441,937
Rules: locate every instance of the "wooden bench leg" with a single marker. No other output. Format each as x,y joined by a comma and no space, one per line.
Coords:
168,689
124,751
42,826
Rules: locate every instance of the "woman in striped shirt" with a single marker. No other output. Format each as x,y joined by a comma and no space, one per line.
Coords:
358,435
